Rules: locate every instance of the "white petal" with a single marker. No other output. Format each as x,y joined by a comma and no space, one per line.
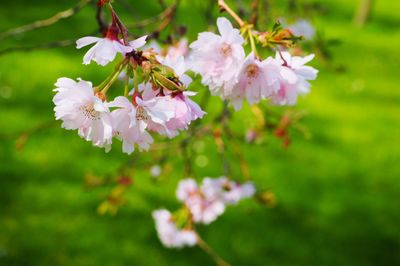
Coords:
138,42
224,26
86,41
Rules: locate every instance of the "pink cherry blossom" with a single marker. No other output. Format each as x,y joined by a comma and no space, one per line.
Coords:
78,107
217,57
203,209
294,78
186,188
131,122
226,190
257,80
185,110
170,235
207,202
129,129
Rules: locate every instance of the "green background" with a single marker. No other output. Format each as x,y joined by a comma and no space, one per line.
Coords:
337,192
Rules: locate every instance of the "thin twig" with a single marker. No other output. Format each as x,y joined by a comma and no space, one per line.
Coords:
254,8
37,47
100,20
224,7
206,248
46,22
162,4
169,17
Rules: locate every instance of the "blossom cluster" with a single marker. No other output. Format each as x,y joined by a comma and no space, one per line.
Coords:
156,100
149,107
203,204
230,74
161,103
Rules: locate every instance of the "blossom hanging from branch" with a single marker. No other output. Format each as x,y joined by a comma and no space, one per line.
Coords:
155,100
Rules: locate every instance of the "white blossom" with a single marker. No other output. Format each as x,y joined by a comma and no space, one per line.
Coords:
170,235
217,58
131,122
104,51
257,80
294,78
78,107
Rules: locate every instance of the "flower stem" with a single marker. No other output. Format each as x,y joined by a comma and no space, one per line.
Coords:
206,248
120,25
111,79
136,80
126,88
107,80
224,7
252,42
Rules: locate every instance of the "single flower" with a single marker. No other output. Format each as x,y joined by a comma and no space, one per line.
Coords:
217,58
79,108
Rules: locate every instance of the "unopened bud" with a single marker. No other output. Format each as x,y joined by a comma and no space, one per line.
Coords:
165,82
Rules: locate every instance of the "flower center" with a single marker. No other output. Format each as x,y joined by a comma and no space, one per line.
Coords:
252,71
141,114
225,49
89,111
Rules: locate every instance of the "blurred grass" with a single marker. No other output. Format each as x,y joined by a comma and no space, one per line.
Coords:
338,193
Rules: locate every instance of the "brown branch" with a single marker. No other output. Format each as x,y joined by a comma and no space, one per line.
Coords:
100,20
169,16
224,7
37,47
46,22
206,248
146,22
254,9
162,4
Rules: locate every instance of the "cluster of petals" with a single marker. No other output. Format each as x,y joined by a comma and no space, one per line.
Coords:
170,235
79,108
208,201
130,120
221,61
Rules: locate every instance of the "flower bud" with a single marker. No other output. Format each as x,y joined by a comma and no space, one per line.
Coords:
165,82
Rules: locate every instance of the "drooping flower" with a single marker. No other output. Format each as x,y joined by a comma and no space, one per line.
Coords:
203,209
228,191
170,235
130,131
294,78
132,121
185,110
207,202
217,57
257,80
104,51
79,108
